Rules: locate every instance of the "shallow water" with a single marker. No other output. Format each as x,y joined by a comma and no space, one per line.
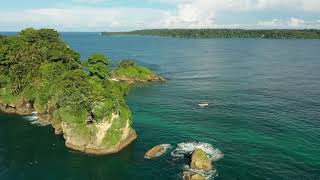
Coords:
263,113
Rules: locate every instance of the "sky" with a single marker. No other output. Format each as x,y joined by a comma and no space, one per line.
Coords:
124,15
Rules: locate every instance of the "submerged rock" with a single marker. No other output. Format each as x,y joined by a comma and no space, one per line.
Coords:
192,176
157,151
200,161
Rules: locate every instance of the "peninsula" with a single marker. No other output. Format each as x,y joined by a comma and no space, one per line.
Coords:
225,33
83,101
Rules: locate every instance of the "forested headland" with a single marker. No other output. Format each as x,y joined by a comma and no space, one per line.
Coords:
83,100
225,33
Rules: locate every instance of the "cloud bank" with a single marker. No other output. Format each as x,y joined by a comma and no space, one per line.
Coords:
184,14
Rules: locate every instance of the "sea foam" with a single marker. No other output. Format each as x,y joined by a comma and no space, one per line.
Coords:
207,175
33,118
186,148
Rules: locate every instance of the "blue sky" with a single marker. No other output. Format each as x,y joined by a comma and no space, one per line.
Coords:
122,15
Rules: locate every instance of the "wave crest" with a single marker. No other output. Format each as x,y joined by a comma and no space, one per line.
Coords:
34,118
186,148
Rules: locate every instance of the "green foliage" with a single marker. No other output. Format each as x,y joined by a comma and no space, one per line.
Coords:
3,81
36,65
21,56
127,68
102,110
98,65
7,98
226,33
126,63
39,66
128,71
78,117
31,35
114,133
76,90
125,112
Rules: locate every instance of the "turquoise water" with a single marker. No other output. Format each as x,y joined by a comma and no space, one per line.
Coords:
263,114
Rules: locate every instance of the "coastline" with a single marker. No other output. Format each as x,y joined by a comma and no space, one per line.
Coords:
26,109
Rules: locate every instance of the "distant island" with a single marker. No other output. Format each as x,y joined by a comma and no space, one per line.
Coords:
225,33
83,101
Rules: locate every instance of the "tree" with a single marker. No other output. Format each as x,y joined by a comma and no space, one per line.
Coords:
98,65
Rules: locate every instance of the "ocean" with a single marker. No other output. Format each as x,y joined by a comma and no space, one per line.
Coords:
263,113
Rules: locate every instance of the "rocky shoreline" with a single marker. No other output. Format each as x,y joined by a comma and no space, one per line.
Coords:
86,145
137,80
42,77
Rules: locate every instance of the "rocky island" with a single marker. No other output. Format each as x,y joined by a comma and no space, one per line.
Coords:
128,71
83,101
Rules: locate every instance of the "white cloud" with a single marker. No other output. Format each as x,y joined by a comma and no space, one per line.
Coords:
187,14
193,15
86,19
235,5
290,23
295,22
203,13
275,23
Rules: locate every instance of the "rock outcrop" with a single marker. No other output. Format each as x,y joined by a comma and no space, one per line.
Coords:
89,139
157,151
92,140
134,80
192,176
200,167
22,107
129,72
200,161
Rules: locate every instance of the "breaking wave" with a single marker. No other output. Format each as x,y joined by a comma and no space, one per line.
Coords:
166,146
206,174
186,148
33,118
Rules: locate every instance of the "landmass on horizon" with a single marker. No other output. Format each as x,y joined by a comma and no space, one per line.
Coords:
225,33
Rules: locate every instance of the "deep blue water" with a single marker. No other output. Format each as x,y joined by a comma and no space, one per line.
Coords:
263,114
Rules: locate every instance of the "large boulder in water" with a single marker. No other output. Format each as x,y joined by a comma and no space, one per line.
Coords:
200,161
157,151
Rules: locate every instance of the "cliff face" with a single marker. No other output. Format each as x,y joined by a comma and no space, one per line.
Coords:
99,140
92,138
40,74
